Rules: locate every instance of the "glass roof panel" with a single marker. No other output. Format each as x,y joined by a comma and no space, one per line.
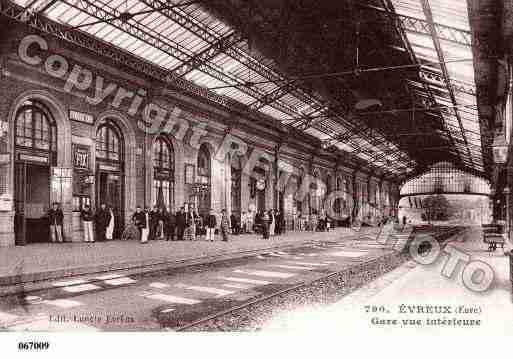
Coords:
317,133
268,110
450,13
424,53
411,8
171,44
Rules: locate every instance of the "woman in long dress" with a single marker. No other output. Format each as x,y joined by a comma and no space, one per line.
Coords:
145,231
265,225
191,226
162,215
225,225
272,224
110,228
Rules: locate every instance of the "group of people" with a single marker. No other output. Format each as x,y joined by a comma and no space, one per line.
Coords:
319,222
270,223
161,223
103,221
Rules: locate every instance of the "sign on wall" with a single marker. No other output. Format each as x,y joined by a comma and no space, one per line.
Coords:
5,201
81,117
32,158
112,168
62,172
4,126
4,158
81,156
189,174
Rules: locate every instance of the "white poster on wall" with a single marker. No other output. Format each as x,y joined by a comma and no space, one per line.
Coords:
5,202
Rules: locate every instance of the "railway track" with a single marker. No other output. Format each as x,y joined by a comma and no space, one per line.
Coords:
325,289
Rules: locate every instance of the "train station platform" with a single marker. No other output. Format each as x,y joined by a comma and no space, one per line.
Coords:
417,297
42,262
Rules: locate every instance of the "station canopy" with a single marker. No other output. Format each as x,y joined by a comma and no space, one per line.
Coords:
425,114
443,178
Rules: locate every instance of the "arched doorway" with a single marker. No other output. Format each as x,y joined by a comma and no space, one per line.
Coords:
35,143
236,180
329,184
329,188
281,196
163,173
203,178
317,192
298,198
258,185
110,172
337,206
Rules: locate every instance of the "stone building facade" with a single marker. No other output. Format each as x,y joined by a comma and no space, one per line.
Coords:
72,131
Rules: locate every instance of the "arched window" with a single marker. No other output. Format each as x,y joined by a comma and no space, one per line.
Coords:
108,142
110,176
163,159
35,127
203,199
236,179
329,184
35,144
163,169
204,165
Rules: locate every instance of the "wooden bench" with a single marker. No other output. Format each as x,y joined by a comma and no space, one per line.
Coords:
492,235
494,239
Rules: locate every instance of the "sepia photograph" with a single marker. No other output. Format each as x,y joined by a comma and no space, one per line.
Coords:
177,169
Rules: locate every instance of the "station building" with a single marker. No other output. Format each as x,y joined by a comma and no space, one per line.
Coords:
250,106
72,131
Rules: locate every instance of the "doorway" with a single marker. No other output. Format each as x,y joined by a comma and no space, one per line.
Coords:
35,145
32,201
110,192
203,179
110,172
236,192
260,194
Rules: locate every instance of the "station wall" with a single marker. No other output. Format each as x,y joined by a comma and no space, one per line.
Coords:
78,119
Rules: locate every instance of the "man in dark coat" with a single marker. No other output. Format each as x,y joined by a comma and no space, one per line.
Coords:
55,218
225,225
139,219
87,217
210,225
235,224
258,225
170,225
180,224
283,223
102,219
278,217
154,222
265,224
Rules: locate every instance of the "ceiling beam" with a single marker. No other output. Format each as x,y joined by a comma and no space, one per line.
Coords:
421,26
209,53
272,96
441,58
401,31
